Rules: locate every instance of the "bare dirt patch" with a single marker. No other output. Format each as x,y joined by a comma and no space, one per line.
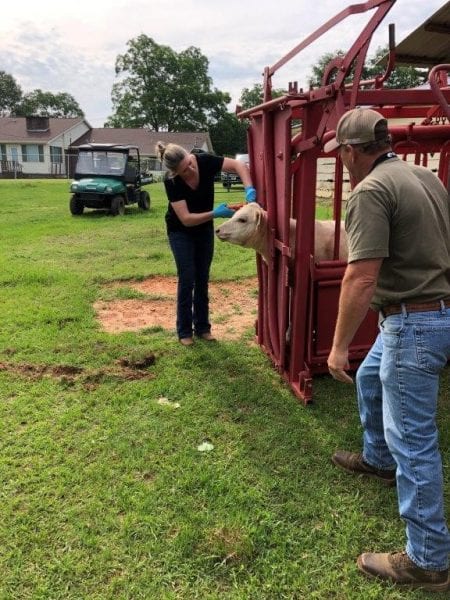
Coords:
233,307
125,369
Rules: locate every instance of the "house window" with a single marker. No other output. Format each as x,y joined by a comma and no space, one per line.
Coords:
3,152
56,155
32,153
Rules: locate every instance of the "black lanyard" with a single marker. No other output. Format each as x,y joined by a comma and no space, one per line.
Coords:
382,158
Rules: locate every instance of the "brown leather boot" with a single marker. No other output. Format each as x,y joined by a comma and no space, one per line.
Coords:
400,569
208,336
353,463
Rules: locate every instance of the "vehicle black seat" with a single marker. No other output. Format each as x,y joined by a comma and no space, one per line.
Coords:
130,173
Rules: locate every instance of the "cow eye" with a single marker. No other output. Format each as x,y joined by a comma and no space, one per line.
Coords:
242,220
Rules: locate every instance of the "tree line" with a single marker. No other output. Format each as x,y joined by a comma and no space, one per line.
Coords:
164,90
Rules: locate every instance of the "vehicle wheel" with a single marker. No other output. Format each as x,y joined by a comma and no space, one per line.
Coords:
117,206
76,205
144,200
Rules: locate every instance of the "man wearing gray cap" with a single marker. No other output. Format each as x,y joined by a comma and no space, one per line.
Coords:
398,228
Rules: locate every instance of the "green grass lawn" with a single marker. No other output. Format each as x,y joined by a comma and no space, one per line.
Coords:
104,493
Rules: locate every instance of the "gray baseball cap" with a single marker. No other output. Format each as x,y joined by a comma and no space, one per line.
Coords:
357,126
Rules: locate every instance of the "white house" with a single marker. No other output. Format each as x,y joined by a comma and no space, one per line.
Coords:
37,146
48,147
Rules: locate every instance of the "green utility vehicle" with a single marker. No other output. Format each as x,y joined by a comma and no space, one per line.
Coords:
108,176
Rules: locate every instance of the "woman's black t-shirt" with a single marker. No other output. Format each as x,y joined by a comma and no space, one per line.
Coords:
199,200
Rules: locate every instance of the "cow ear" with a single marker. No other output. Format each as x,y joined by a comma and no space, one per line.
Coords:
258,215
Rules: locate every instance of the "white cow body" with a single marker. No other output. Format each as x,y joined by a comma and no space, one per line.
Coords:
248,227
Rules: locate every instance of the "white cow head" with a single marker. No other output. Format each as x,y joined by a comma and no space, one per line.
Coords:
245,227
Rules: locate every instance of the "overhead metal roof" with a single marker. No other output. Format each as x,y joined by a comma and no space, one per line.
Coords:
429,44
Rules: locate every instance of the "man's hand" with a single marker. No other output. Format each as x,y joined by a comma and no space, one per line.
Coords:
357,288
337,362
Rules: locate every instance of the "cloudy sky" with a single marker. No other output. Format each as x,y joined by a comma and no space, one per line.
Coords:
72,46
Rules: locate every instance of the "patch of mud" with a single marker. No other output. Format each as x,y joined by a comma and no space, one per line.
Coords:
233,307
37,371
137,363
125,369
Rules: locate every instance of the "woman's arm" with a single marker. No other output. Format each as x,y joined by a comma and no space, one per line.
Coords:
239,167
190,219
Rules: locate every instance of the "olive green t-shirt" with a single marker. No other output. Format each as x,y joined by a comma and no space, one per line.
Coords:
401,213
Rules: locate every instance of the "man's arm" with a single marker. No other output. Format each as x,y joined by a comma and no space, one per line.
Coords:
357,289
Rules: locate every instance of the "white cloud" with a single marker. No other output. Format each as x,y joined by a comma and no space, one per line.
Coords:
52,64
72,47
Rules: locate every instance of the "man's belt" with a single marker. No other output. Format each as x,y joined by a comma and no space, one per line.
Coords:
395,309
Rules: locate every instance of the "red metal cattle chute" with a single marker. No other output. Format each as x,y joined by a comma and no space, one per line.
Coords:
298,297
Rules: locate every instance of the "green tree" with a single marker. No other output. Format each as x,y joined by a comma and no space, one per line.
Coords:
164,90
315,79
47,104
401,76
253,96
229,135
10,94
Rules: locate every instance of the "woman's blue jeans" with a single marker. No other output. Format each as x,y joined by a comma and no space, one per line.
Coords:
193,253
397,387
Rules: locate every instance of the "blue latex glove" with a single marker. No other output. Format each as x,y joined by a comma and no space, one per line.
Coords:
250,194
223,211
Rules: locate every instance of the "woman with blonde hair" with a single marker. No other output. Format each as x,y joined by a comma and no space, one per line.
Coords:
189,184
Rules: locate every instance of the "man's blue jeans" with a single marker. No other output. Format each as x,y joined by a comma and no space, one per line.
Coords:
397,387
193,253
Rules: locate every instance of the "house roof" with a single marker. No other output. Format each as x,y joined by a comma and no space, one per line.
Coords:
145,139
14,129
429,44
